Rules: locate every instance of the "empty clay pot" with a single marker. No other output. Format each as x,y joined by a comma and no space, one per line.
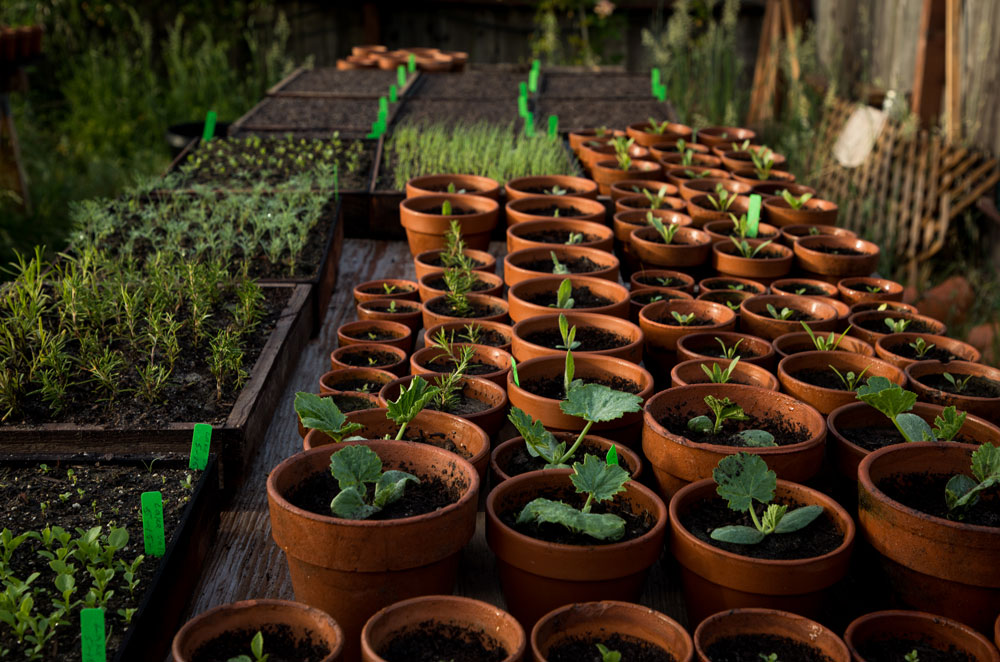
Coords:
809,257
353,333
349,355
791,233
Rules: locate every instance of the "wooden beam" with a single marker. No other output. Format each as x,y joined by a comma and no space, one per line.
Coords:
928,79
765,75
953,87
789,23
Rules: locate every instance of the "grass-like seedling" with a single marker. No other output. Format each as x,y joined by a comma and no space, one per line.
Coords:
782,314
921,347
748,251
828,344
741,226
608,655
873,289
568,334
850,380
763,162
722,200
897,325
796,202
666,231
556,190
564,296
744,478
719,375
962,492
622,146
323,414
957,383
256,650
731,351
724,410
356,467
895,402
657,199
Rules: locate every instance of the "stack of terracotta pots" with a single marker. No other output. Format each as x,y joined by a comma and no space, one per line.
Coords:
380,57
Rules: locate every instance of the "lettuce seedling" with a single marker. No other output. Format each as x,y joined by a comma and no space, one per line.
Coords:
666,232
717,375
962,492
783,314
323,414
894,402
683,320
256,649
744,478
355,467
897,325
748,251
410,402
600,482
850,380
828,344
558,268
957,383
564,295
795,202
725,409
608,655
568,334
921,347
763,162
659,128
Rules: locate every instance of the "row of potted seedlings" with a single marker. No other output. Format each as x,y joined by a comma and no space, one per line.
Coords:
737,397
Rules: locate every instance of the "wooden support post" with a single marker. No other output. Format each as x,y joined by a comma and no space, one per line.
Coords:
953,87
765,75
12,177
928,79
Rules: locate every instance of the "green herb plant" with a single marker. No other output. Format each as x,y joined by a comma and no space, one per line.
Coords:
895,403
724,410
962,492
897,325
608,655
746,249
622,146
357,466
921,347
558,268
666,231
657,199
782,314
682,319
730,351
763,162
658,128
722,200
564,295
849,380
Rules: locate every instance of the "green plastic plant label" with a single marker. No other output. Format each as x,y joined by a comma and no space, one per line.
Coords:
383,106
533,80
401,75
522,89
209,131
92,648
612,457
661,93
536,64
393,94
529,125
152,524
654,80
553,126
522,107
201,442
753,215
411,63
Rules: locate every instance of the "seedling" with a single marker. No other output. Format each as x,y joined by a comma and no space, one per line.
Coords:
687,157
355,467
453,255
737,287
389,288
796,202
962,492
446,209
392,307
683,320
768,657
763,162
323,414
622,146
957,383
608,655
564,295
782,314
718,375
471,333
410,402
725,409
912,656
731,352
744,478
568,334
556,190
459,281
741,147
452,189
256,649
895,403
921,347
659,128
850,380
657,199
873,289
600,482
558,268
897,325
574,238
828,344
722,200
748,251
666,232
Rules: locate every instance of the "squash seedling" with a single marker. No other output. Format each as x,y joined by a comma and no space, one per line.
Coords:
724,410
452,189
828,344
323,414
957,383
410,402
920,347
736,287
558,268
897,325
746,250
355,467
744,478
850,380
796,202
608,655
962,492
568,334
895,403
446,208
666,232
256,649
564,295
717,375
782,314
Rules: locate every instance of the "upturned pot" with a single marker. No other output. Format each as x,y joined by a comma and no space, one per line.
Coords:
421,361
891,348
352,568
727,283
749,176
520,296
693,187
537,576
810,257
691,372
463,184
526,235
663,331
607,172
797,342
529,208
812,287
631,336
429,262
433,285
775,261
486,391
426,230
827,399
598,620
646,135
301,622
751,349
629,187
522,187
358,332
756,320
689,248
515,265
859,288
676,280
676,460
736,622
454,612
406,312
494,307
813,212
678,175
642,297
500,458
984,407
338,398
861,321
642,203
714,579
931,563
791,233
340,358
724,136
940,633
723,229
500,334
702,212
375,289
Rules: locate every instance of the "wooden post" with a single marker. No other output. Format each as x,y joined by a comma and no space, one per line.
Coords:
12,175
928,79
765,75
953,87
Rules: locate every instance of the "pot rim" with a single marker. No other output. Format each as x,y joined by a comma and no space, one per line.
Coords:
623,451
939,340
596,320
700,237
692,337
783,364
477,203
729,315
764,299
922,620
757,371
772,614
978,370
582,184
534,201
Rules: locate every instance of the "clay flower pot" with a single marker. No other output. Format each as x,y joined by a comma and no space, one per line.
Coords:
522,187
736,159
433,285
464,184
642,203
601,149
296,621
663,331
503,454
340,381
374,289
940,633
813,254
694,187
799,341
546,234
429,262
752,350
689,248
520,265
343,400
863,324
731,300
791,233
493,334
757,320
485,391
645,134
661,148
931,563
630,337
827,399
702,212
894,306
358,355
984,406
737,622
631,187
624,222
774,189
722,230
450,611
856,289
352,568
715,579
724,136
677,461
425,228
407,312
537,576
599,620
697,160
577,137
690,372
642,297
729,283
772,262
521,296
749,176
662,278
372,332
895,348
493,309
811,287
813,212
678,175
607,172
421,361
531,208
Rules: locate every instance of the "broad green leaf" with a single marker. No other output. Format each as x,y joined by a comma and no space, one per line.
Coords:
65,582
757,438
598,403
960,492
355,465
538,441
948,423
257,645
411,401
564,295
323,414
117,538
914,428
600,479
608,655
798,519
350,504
888,398
738,535
603,526
702,424
742,478
390,487
986,462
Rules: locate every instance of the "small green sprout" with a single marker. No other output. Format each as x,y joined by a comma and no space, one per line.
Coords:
557,190
446,209
912,656
768,657
322,413
574,239
736,287
558,268
410,402
957,383
564,295
962,492
355,467
683,320
763,162
828,344
659,128
746,250
622,146
666,232
921,347
732,351
389,288
873,289
722,200
783,314
897,325
795,202
725,409
850,380
608,655
256,648
568,334
718,375
895,403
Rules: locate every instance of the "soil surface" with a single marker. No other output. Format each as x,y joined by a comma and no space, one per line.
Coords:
379,307
796,316
804,289
452,111
349,403
589,113
318,114
470,85
373,82
925,492
932,354
636,525
785,433
442,642
280,645
464,406
895,648
667,281
584,649
317,491
714,350
591,339
520,461
655,295
475,368
456,210
396,290
552,387
555,236
436,262
372,334
476,310
878,325
597,86
439,284
357,385
749,648
670,320
487,337
874,438
836,250
583,297
579,265
821,378
976,387
724,285
556,212
360,358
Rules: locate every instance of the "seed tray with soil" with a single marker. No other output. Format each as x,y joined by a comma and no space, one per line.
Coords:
932,354
784,432
578,265
450,111
476,310
976,387
893,649
521,462
818,538
474,368
553,387
804,289
591,339
636,524
600,87
874,438
348,403
584,649
363,358
315,114
361,82
670,320
431,641
925,492
878,325
470,85
556,212
280,645
372,333
821,378
583,297
750,647
584,113
439,284
317,491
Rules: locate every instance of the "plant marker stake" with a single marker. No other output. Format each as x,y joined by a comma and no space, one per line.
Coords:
401,76
92,647
152,523
393,94
529,125
536,64
533,80
553,126
612,457
753,215
209,131
522,106
661,93
654,79
383,106
336,181
201,441
411,63
522,90
513,372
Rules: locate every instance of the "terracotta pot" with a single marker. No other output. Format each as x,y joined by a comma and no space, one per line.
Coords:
595,620
799,341
339,358
715,579
642,203
368,49
689,248
645,136
661,337
595,235
522,187
607,172
486,391
526,209
930,324
724,136
338,396
722,230
702,212
521,307
588,367
389,60
577,137
807,256
736,159
680,175
730,299
787,286
755,318
501,456
749,176
697,160
601,149
664,147
698,346
727,260
423,265
267,616
354,62
459,331
896,306
464,184
333,381
352,568
463,614
774,189
514,272
855,290
677,461
425,231
828,399
482,354
931,563
943,634
813,212
724,283
887,347
692,187
405,290
690,372
642,297
629,187
630,334
458,59
432,285
984,407
537,576
676,280
625,221
408,312
354,333
735,622
497,306
790,233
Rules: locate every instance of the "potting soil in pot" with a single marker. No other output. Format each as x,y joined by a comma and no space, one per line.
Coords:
476,309
584,649
796,316
874,438
555,212
473,368
784,432
821,378
591,339
654,281
378,289
378,307
804,289
895,648
456,210
441,642
714,350
361,359
835,250
878,325
478,285
583,297
976,387
317,491
462,406
436,261
348,403
933,354
654,295
750,647
280,645
521,462
553,387
372,333
576,265
670,320
555,236
636,524
925,492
